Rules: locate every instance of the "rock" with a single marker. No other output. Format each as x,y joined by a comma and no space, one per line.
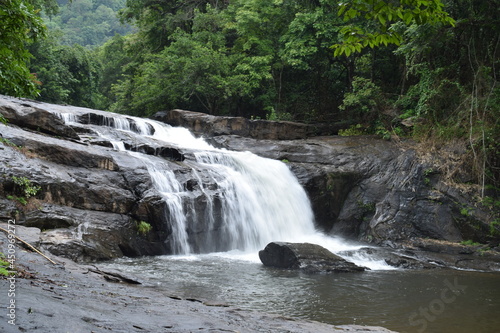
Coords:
455,255
32,117
373,190
395,258
204,124
29,235
310,258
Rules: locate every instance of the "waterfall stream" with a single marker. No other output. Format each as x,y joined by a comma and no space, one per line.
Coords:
260,199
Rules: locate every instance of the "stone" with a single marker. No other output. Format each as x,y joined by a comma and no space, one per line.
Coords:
310,258
28,235
204,124
29,116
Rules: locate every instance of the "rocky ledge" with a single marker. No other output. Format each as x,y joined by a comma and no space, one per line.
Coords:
386,193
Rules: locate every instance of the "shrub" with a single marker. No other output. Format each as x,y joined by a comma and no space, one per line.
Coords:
143,228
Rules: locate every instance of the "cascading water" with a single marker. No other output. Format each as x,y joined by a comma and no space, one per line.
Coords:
261,200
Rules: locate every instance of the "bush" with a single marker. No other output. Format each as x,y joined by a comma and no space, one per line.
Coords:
364,103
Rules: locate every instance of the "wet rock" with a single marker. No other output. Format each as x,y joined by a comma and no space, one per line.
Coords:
34,118
310,258
374,190
28,235
455,255
395,258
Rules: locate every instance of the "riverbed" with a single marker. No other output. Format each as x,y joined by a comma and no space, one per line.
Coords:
437,300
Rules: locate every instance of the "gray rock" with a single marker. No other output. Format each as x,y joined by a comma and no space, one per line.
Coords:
29,116
310,258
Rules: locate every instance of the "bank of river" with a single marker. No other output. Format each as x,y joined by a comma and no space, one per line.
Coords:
438,300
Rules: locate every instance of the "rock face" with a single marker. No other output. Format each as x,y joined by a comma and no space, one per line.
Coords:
92,197
372,190
310,258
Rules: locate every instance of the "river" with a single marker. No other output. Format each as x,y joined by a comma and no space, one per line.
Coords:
439,300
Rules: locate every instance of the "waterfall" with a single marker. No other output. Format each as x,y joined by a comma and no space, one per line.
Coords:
260,199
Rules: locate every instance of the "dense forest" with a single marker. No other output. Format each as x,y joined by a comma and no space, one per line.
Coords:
426,69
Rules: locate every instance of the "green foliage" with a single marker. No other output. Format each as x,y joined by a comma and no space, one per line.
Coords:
27,188
366,207
364,102
3,120
384,17
88,23
20,24
68,74
353,130
469,243
465,211
5,266
143,228
21,200
7,142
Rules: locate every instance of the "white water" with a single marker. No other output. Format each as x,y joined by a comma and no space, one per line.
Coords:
261,199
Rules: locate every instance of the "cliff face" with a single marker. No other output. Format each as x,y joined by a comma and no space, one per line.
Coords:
92,197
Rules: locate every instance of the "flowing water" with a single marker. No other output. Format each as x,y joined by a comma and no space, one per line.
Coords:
262,202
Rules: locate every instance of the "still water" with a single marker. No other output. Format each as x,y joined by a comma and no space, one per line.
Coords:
401,300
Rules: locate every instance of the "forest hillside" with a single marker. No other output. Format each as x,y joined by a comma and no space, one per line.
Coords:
420,69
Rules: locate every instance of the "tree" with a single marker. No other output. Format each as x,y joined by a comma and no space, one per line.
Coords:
374,22
20,24
67,74
89,23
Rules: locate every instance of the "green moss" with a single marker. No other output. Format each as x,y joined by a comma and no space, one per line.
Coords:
5,266
469,243
143,228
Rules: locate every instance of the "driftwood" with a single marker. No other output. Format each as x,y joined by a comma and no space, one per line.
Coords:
114,276
31,247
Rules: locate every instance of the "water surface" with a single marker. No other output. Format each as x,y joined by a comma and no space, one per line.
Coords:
402,300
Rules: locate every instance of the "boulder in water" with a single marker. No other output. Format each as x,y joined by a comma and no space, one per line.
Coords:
310,258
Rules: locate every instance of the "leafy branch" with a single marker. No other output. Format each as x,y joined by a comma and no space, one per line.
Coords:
384,16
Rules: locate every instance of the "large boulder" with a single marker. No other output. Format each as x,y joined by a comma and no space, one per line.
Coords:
310,258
